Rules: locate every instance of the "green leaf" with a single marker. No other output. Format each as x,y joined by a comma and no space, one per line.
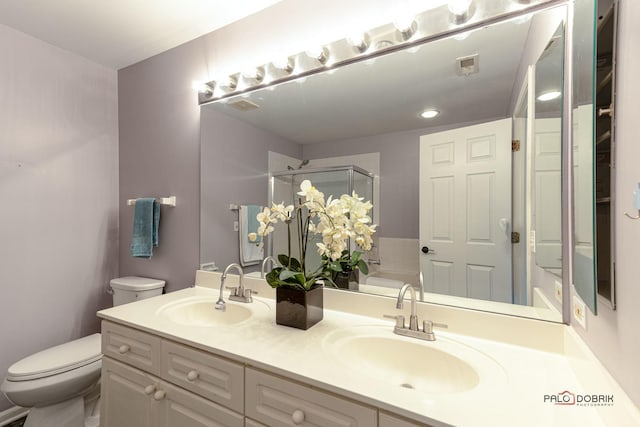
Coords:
355,257
283,259
273,277
295,265
362,265
290,276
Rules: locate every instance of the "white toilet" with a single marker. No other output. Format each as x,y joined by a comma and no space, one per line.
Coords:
61,384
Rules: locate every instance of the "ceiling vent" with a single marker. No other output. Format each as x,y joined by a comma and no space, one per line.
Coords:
243,105
467,65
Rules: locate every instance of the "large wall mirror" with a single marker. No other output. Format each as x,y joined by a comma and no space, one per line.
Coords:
468,202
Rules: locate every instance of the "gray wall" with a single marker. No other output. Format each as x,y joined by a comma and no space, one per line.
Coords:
234,170
159,148
399,174
58,192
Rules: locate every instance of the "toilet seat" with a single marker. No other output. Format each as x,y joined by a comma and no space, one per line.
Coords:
56,360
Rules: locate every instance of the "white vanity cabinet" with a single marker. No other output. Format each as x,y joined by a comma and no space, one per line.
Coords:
132,398
149,381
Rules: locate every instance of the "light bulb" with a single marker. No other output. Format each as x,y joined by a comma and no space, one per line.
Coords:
550,95
429,114
459,7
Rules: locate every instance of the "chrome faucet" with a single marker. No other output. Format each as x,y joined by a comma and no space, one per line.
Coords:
264,264
426,333
239,293
413,318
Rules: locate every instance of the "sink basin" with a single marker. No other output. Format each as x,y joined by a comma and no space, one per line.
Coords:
201,311
441,366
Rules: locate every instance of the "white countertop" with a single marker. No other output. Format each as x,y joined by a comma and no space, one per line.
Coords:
513,378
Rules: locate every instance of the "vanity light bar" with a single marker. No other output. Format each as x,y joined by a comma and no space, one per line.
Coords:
457,16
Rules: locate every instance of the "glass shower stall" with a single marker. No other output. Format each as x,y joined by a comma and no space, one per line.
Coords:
332,181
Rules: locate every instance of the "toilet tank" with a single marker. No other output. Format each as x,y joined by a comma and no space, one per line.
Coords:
132,288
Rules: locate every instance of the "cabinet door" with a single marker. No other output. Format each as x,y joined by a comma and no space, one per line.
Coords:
184,409
127,396
248,422
278,402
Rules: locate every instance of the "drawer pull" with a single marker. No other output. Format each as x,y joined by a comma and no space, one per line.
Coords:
123,349
297,417
149,389
159,395
192,375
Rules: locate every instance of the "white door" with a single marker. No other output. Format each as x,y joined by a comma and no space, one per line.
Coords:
465,211
548,194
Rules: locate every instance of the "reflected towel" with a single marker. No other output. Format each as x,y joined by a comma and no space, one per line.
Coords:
146,220
253,223
251,252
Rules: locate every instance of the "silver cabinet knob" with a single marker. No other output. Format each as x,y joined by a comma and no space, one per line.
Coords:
123,349
149,389
297,417
192,375
159,395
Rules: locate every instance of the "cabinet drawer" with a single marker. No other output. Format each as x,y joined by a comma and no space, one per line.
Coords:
185,409
212,377
131,346
388,420
277,402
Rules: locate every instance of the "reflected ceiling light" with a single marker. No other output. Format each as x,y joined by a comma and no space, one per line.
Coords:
429,114
460,10
285,64
548,96
359,41
320,53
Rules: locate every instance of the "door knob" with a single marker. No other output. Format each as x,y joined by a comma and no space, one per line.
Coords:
426,250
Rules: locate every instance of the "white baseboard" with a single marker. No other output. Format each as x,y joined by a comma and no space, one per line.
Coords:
12,414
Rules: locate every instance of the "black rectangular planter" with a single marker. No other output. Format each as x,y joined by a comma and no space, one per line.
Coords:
297,308
347,280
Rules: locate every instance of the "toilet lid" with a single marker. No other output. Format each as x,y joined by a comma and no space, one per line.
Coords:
58,359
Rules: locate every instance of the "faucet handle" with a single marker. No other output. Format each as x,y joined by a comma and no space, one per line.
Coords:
233,290
399,319
427,326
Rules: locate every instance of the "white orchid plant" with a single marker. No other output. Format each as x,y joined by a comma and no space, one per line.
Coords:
337,220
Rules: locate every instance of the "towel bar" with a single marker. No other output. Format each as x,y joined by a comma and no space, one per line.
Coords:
168,201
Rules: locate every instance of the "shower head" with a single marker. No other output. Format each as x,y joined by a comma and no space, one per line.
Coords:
303,163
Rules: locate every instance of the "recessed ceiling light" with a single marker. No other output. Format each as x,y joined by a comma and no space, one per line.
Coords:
429,114
548,96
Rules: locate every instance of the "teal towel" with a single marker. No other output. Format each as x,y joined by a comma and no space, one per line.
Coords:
146,219
252,221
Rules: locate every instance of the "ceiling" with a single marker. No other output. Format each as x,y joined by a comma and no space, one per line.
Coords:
387,94
118,33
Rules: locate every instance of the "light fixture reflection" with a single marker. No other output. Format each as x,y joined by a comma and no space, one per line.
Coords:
228,83
429,114
549,96
254,74
285,64
319,53
359,41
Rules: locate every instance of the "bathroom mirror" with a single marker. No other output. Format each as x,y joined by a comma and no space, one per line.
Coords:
373,107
